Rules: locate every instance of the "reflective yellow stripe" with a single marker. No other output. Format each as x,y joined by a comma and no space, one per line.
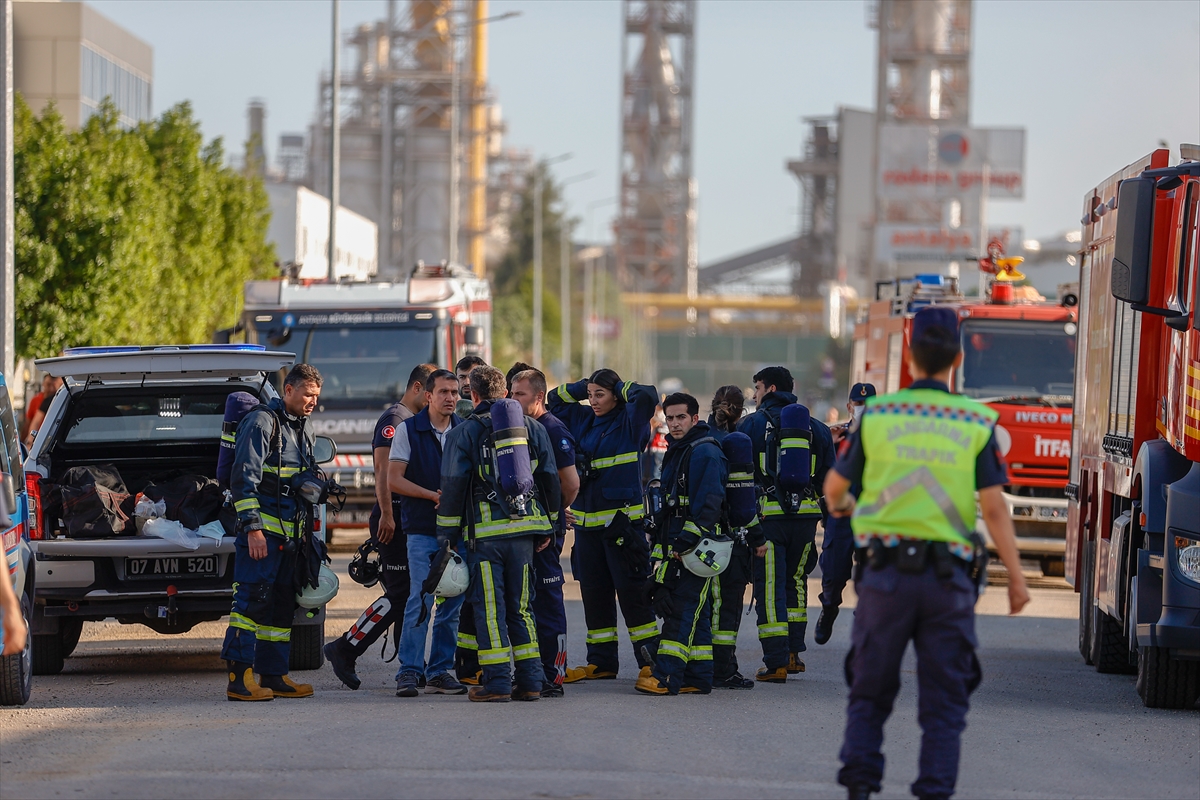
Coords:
526,651
564,395
227,437
512,441
534,524
489,605
724,637
769,591
809,507
700,653
449,522
241,622
269,634
276,525
668,648
285,472
801,444
770,629
246,504
601,635
801,613
691,527
526,617
612,461
741,476
497,655
467,642
650,629
600,519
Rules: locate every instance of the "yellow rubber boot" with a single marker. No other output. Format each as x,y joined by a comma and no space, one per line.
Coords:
283,686
590,672
794,666
648,684
242,685
771,675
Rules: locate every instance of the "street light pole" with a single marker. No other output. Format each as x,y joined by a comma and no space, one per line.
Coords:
8,317
335,139
564,279
538,186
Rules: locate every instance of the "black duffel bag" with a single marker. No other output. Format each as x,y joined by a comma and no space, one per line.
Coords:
93,502
192,500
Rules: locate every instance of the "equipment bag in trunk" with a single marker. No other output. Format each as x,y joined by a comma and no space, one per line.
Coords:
94,501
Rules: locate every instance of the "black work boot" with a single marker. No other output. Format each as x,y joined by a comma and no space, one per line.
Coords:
824,627
242,685
342,661
858,793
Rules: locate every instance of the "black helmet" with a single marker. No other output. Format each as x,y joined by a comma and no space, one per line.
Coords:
364,567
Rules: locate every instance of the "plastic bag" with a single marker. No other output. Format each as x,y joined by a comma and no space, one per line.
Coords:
149,509
173,532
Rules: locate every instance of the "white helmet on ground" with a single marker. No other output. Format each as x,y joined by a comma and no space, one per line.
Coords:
326,589
709,558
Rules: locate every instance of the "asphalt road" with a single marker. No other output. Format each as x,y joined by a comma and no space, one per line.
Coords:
140,715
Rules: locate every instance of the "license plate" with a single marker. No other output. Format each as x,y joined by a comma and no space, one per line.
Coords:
172,567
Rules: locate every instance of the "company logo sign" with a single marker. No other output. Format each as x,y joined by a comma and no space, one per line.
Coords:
1044,417
953,148
335,427
1051,448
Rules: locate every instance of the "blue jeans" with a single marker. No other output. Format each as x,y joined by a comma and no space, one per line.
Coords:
445,622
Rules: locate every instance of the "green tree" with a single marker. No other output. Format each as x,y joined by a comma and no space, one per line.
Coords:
129,236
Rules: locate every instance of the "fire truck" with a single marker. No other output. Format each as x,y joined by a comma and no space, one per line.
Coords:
1133,531
1019,358
365,338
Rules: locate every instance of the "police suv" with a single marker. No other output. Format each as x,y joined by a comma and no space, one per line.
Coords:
149,414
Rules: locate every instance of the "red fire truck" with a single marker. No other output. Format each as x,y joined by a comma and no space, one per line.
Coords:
1133,533
1019,358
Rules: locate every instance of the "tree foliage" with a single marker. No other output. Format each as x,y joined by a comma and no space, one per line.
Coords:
138,236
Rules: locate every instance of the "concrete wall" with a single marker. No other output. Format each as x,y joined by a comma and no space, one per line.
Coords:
47,50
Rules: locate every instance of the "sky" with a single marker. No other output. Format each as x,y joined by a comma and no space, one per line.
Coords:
1095,83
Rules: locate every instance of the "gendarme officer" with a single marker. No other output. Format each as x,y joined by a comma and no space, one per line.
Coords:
920,455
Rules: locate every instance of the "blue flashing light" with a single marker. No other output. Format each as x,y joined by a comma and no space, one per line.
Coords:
95,351
117,349
930,280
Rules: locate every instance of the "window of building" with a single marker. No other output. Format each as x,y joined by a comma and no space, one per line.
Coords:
101,77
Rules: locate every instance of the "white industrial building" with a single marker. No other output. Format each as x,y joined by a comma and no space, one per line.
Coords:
300,231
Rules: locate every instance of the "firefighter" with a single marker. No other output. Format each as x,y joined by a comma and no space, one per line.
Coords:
837,549
610,557
387,536
529,389
693,488
920,455
500,484
729,589
273,445
414,472
783,562
466,654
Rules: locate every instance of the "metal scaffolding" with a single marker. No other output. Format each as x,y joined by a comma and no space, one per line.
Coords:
654,237
415,133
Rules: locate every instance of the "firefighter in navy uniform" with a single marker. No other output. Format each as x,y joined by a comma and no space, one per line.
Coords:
610,557
500,488
729,589
782,564
920,454
273,445
528,388
387,538
693,489
837,550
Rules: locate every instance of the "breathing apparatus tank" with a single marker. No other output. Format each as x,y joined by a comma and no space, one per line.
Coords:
741,496
237,405
793,471
513,465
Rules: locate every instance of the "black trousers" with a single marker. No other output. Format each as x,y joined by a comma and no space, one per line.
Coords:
387,610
